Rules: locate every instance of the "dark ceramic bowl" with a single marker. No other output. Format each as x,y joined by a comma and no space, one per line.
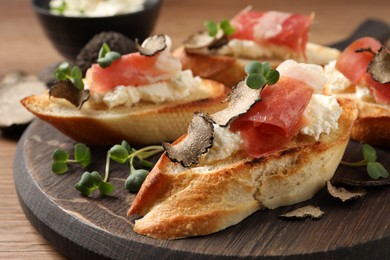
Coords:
70,34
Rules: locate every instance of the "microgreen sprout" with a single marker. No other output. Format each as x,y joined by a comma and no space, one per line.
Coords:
124,153
260,74
93,181
121,153
374,169
106,56
82,155
213,27
74,74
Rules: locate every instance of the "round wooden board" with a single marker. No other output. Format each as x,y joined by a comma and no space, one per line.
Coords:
97,227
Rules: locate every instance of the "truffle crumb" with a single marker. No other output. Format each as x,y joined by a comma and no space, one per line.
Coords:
343,194
308,211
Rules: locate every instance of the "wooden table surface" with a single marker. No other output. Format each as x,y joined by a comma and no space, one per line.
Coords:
23,46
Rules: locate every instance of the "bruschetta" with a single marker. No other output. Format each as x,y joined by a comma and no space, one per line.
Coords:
265,36
278,150
362,74
143,97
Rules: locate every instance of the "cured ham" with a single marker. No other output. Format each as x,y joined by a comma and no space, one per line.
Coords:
273,28
353,65
271,123
133,69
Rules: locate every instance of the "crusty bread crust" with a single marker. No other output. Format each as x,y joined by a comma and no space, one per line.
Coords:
229,70
142,124
372,125
190,203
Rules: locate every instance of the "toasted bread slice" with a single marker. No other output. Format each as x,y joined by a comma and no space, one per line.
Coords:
229,70
145,123
372,125
176,204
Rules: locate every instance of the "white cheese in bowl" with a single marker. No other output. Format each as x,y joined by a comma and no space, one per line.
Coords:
95,8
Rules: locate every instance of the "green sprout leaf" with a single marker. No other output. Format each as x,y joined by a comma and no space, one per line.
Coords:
74,75
127,146
135,180
62,72
106,56
86,184
255,80
227,28
103,50
374,169
60,155
59,164
82,154
59,167
260,74
211,27
90,182
369,153
119,153
106,188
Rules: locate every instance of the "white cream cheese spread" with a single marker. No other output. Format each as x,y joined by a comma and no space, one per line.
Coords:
338,83
323,113
225,144
183,85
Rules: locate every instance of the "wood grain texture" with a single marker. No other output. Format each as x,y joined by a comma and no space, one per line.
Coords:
23,46
97,227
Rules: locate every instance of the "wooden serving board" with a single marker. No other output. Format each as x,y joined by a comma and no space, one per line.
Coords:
97,227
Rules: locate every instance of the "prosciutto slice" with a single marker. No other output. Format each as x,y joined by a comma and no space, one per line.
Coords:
273,28
354,65
271,123
132,69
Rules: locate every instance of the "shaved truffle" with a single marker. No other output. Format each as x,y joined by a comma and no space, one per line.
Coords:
202,39
14,86
65,89
304,212
379,67
241,99
152,45
343,194
117,42
197,142
358,179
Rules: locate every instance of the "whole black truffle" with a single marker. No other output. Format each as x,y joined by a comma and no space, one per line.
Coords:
116,41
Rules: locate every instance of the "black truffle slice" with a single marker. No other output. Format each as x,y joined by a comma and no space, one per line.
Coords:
308,211
152,45
65,89
117,42
202,39
343,194
199,139
379,67
15,86
241,99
